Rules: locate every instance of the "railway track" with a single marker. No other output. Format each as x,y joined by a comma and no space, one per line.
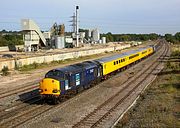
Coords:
26,115
103,113
22,97
23,88
10,111
21,105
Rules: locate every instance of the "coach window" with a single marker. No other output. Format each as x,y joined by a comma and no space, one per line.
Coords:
114,63
144,52
119,61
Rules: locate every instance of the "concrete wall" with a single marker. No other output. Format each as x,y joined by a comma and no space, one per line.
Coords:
2,49
48,58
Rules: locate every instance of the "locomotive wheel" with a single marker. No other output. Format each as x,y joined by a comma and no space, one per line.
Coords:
42,101
55,101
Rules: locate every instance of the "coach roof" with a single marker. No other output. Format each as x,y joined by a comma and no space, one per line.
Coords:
115,57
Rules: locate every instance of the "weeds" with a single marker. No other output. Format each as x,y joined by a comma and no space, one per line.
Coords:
5,71
175,53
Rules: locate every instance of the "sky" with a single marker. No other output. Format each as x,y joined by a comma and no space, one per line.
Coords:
115,16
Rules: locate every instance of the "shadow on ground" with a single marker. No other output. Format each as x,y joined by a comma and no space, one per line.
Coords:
31,97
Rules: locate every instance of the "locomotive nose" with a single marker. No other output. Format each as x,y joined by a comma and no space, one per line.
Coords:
49,86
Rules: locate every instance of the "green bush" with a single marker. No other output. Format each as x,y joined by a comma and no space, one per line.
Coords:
29,67
5,71
175,53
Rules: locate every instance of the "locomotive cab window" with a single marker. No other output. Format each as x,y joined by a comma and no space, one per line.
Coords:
55,74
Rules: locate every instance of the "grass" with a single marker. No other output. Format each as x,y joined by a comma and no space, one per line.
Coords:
159,106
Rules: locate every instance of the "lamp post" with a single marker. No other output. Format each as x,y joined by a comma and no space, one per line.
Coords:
77,27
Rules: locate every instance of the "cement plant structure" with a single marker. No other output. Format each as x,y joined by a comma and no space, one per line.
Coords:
33,37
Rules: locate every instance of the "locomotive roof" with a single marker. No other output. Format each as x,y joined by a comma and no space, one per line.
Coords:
70,68
88,64
107,59
77,67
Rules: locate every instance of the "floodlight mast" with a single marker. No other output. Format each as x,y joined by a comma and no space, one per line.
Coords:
77,26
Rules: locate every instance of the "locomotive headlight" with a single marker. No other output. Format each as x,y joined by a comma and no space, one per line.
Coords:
55,91
40,90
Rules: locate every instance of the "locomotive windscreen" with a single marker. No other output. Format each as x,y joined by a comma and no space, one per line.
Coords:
55,74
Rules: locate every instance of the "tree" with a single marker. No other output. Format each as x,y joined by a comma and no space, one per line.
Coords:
109,37
130,37
177,36
12,38
125,38
170,38
153,36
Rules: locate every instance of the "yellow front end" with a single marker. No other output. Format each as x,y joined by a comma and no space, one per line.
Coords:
150,50
49,86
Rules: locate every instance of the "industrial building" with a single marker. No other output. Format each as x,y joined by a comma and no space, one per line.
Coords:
33,37
55,38
95,35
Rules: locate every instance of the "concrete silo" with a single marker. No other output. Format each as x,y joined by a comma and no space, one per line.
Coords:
95,35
